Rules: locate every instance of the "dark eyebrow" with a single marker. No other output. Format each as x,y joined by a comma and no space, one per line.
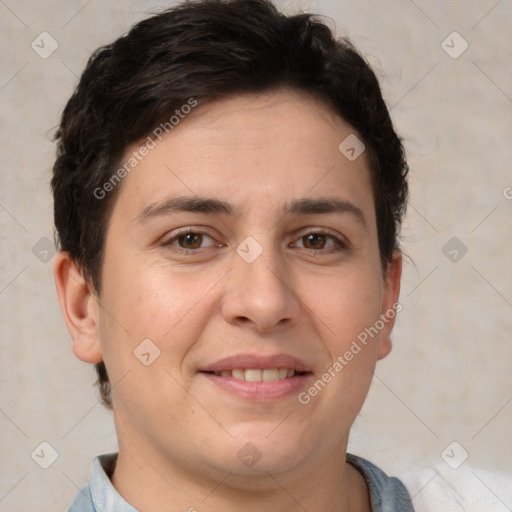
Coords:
197,204
325,205
192,204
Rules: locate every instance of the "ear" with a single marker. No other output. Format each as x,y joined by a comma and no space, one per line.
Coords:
390,304
79,306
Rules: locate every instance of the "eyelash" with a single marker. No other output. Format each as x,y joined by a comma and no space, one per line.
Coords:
340,245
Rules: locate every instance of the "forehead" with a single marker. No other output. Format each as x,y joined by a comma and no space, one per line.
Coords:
251,149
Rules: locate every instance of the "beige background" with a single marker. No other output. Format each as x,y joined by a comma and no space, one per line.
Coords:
449,376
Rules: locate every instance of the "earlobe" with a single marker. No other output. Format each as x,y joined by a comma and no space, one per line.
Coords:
80,308
385,347
390,304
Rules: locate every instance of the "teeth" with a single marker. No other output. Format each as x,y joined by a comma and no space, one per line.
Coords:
253,375
270,375
238,374
257,375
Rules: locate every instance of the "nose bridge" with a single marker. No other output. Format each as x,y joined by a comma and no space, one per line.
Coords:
261,266
260,288
265,273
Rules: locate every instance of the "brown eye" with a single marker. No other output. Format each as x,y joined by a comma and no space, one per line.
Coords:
320,241
190,240
314,241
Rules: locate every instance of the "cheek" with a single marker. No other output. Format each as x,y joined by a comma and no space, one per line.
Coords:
350,303
346,303
143,300
149,299
148,310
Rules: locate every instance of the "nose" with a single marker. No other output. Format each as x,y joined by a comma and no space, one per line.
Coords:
260,294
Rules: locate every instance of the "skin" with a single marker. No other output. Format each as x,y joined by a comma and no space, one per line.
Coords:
178,433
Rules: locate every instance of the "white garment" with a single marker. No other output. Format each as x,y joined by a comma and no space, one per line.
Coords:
440,488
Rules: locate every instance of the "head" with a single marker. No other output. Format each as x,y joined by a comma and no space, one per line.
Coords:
241,105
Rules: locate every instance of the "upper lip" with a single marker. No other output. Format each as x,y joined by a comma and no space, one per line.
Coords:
254,361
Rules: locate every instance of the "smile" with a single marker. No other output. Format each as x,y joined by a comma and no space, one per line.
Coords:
259,375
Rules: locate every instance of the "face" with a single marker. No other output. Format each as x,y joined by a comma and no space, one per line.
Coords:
243,248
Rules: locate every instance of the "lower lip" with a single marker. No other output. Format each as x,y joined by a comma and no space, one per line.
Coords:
260,391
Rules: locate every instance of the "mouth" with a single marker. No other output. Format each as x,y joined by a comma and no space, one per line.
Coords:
259,375
258,378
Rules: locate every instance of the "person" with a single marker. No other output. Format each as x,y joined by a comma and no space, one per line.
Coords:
228,195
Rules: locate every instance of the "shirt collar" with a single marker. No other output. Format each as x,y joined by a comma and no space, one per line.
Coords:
103,493
386,494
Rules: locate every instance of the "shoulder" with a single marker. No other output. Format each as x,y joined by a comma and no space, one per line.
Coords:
387,494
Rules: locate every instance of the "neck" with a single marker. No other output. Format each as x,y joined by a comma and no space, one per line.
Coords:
150,481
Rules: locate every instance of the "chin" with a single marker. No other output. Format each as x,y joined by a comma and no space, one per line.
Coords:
261,449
